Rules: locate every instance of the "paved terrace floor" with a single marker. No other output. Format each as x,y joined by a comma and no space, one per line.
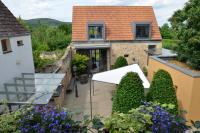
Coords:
101,100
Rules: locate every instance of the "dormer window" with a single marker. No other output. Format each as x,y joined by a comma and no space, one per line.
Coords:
95,31
142,31
6,47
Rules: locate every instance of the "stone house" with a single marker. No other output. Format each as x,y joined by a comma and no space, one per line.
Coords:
107,32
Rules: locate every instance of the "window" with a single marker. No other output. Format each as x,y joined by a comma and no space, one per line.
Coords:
95,31
20,43
142,31
6,48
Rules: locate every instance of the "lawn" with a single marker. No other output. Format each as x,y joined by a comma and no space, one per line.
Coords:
169,44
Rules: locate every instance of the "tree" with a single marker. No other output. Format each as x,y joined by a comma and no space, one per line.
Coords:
186,23
166,31
162,90
67,28
129,94
120,62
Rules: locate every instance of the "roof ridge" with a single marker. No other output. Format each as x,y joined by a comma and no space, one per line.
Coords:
108,6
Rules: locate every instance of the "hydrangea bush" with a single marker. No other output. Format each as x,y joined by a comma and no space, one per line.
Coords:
163,121
42,119
152,117
149,117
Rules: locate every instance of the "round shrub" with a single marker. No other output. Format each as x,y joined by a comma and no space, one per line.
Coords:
120,62
129,94
162,90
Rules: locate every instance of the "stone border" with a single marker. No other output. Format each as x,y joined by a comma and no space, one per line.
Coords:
181,69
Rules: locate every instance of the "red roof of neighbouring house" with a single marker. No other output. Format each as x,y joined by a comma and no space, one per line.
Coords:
117,19
9,26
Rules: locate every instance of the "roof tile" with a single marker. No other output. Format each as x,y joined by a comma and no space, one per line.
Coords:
118,21
9,26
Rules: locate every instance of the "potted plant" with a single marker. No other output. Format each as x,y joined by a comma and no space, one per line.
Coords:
81,63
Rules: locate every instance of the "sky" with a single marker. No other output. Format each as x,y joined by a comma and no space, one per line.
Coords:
62,9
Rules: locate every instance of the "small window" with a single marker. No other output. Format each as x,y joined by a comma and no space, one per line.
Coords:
95,31
126,55
20,43
6,48
142,31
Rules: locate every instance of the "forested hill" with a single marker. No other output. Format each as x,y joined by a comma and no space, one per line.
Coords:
48,21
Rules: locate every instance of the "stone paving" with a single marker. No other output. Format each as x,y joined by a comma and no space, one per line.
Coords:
101,100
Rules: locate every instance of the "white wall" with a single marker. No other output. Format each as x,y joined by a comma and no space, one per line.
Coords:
20,60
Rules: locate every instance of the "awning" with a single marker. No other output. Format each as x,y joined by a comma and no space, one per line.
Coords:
115,76
32,88
92,46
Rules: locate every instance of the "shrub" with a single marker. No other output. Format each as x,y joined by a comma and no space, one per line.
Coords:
80,61
145,71
8,122
162,120
162,90
131,122
129,94
150,117
195,126
169,44
41,119
120,62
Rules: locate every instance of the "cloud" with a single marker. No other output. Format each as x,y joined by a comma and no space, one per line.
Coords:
163,8
28,9
134,2
62,9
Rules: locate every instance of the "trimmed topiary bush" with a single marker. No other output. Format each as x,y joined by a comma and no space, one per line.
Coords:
162,90
129,94
120,62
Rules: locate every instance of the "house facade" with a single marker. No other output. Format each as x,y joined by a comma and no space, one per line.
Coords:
107,32
15,48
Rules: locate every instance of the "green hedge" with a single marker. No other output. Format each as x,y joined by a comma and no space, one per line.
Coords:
120,62
162,90
129,94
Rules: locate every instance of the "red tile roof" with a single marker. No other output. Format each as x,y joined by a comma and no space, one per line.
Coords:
117,19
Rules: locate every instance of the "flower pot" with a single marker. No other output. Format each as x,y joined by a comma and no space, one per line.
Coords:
83,78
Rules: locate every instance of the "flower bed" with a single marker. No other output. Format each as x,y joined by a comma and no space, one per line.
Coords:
49,119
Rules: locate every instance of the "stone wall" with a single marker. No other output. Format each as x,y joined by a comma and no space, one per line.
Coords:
136,51
65,68
133,52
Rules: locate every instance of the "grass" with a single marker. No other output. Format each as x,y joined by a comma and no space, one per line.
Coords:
169,44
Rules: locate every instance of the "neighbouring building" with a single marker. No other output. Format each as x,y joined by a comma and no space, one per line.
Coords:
15,47
107,32
186,82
